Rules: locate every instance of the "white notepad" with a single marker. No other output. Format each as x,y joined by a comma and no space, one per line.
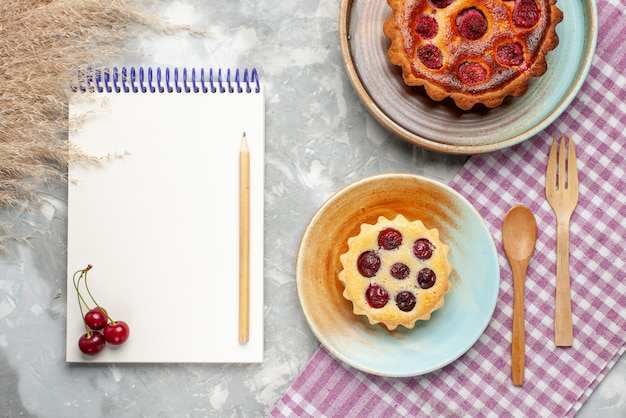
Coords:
158,218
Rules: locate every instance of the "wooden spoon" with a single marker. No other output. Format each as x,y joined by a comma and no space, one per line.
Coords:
519,234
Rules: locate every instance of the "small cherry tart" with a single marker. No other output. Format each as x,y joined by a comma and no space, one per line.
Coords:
474,51
396,272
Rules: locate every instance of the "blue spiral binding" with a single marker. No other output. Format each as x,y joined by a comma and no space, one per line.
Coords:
168,80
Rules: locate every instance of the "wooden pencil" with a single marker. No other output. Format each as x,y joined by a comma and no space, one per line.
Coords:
244,241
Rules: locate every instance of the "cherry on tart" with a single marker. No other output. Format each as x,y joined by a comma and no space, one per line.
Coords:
426,26
395,272
441,3
368,263
526,14
510,53
376,296
389,239
406,301
473,51
426,278
471,23
399,271
430,57
423,248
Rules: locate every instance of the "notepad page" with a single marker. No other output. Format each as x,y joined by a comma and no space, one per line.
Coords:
158,218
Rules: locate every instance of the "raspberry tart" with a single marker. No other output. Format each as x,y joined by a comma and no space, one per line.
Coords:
474,51
395,272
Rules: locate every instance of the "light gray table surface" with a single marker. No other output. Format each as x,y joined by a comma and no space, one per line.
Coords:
319,137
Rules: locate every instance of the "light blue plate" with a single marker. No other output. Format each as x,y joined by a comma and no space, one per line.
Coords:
432,344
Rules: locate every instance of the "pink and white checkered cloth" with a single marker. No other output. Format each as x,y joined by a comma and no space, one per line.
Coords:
558,380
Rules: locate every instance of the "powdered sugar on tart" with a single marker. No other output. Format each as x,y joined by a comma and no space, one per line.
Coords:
474,51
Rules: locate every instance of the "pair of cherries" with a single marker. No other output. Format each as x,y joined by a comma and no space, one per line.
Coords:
100,328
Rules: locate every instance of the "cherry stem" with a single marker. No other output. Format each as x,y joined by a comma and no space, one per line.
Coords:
89,292
80,297
96,303
76,286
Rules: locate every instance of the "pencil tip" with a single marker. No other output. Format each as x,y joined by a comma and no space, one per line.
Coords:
244,143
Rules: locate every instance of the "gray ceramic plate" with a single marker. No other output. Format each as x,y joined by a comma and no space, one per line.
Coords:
432,344
441,126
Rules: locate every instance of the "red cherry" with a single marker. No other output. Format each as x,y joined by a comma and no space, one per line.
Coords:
423,249
526,14
430,56
400,271
472,73
426,26
440,4
116,333
426,278
96,318
376,296
368,263
406,301
511,53
471,23
91,343
389,239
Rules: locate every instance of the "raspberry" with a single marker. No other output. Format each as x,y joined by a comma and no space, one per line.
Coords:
405,301
376,296
423,249
368,263
471,23
426,278
472,73
399,271
389,239
510,54
430,56
426,26
526,14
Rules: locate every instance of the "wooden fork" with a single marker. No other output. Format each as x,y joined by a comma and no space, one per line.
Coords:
562,193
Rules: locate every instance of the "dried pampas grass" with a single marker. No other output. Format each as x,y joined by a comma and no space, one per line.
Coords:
42,43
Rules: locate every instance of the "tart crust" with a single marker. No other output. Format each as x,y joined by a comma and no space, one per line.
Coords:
502,80
427,300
